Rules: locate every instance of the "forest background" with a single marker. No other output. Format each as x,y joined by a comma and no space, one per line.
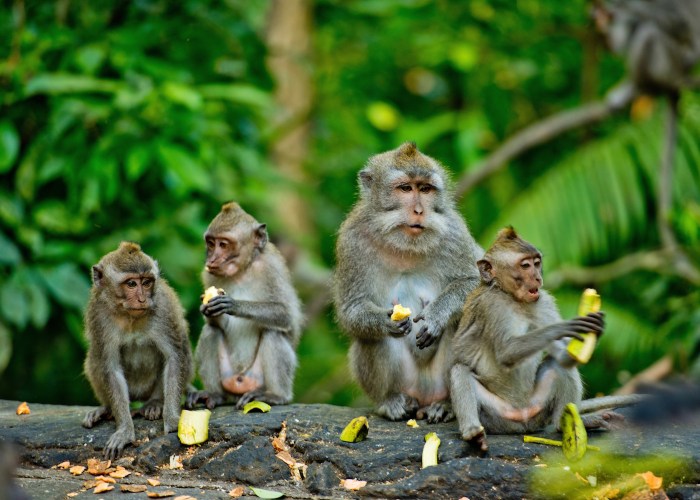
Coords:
136,120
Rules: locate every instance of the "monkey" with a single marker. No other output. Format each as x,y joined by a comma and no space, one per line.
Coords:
403,242
500,379
659,40
247,348
138,344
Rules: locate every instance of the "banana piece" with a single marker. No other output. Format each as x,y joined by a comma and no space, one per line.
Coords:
430,450
400,312
582,351
574,439
356,430
193,426
260,406
212,292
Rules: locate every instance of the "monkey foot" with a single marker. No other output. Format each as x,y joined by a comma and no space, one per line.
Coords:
477,437
151,410
606,419
265,397
117,442
398,407
439,411
94,416
208,399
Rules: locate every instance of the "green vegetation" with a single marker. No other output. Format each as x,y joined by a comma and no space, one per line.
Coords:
137,120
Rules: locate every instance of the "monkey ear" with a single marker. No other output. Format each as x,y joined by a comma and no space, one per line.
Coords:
486,270
365,179
97,274
261,236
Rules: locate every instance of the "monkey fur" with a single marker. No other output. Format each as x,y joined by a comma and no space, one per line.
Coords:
499,380
247,349
138,344
403,242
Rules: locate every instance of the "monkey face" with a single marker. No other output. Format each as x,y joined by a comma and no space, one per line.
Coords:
226,254
525,278
137,294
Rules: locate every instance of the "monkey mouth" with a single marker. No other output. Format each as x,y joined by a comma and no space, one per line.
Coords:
415,229
533,293
137,312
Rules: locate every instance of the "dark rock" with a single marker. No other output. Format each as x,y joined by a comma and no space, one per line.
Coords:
253,463
321,478
156,452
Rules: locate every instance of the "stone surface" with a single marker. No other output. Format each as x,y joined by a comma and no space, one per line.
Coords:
239,452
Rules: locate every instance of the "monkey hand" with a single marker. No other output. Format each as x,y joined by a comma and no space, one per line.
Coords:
117,441
430,331
591,323
400,328
221,304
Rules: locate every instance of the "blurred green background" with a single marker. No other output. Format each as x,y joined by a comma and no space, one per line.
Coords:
137,119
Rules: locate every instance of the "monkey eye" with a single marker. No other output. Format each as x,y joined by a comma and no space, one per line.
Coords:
525,264
131,283
147,282
426,188
406,188
223,244
538,262
210,244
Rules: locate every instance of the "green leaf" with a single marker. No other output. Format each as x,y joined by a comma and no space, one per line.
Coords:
261,493
14,303
89,57
185,173
5,347
40,309
58,83
182,94
9,253
55,217
68,285
238,93
9,146
137,162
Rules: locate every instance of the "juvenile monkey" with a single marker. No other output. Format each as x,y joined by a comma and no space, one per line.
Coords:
247,349
138,344
500,380
403,242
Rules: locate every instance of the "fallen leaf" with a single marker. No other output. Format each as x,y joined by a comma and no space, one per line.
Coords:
286,458
23,409
262,493
279,445
654,482
102,487
105,479
236,492
62,465
160,494
175,462
353,484
98,467
76,470
73,494
153,482
120,474
133,488
184,497
89,484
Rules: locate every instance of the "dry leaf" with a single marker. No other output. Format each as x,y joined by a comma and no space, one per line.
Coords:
98,467
133,488
73,494
102,487
120,474
654,482
76,470
62,465
236,492
175,462
153,482
90,484
279,445
23,409
105,479
184,497
160,494
286,458
353,484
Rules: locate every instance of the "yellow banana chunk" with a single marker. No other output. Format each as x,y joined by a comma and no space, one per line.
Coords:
574,439
210,293
582,351
355,431
193,426
400,312
260,406
412,423
430,450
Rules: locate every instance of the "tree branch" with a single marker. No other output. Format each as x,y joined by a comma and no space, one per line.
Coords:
531,136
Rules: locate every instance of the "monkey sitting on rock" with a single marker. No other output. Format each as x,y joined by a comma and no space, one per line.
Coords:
247,349
500,379
138,344
404,242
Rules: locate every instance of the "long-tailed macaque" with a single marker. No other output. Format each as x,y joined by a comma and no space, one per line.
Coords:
500,379
247,349
138,344
405,243
659,40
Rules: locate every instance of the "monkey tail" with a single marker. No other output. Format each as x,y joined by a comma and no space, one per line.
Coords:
608,402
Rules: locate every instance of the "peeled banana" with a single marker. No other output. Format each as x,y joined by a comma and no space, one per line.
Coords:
430,450
193,426
582,351
400,312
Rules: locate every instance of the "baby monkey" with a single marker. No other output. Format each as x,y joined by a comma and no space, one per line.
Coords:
499,380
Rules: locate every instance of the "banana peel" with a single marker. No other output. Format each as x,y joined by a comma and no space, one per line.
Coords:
260,406
400,312
582,351
430,450
193,426
574,437
356,430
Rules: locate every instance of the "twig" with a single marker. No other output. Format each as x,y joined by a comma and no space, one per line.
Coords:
658,371
533,135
